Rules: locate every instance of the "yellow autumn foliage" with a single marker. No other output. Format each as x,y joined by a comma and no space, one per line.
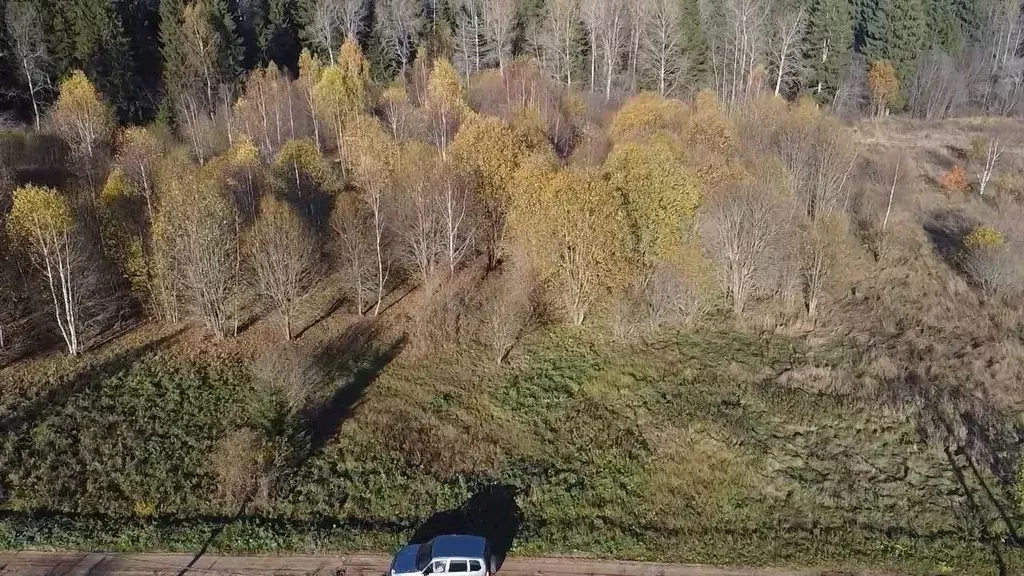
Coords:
646,114
568,223
115,188
341,92
310,69
302,156
493,150
444,87
41,217
708,130
372,152
983,238
657,194
81,115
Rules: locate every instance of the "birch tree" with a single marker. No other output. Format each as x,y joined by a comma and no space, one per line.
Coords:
28,49
195,230
324,28
353,17
191,76
42,219
743,223
282,252
398,22
419,226
352,226
341,93
558,31
492,152
444,105
373,159
201,42
499,17
454,205
470,49
637,21
985,153
81,116
396,109
310,71
821,253
660,54
784,44
567,219
606,24
819,159
738,46
137,153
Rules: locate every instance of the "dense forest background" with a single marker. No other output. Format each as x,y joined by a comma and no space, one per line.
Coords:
136,51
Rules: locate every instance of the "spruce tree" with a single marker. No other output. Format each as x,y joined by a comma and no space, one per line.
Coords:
869,28
90,36
827,42
904,33
141,21
172,44
970,14
254,33
231,53
283,34
695,46
61,35
944,29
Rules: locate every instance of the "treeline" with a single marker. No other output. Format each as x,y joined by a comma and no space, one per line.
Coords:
171,59
575,215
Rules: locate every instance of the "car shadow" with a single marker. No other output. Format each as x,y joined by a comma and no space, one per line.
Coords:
491,512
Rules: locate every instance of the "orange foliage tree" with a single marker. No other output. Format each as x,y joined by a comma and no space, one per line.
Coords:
955,180
884,86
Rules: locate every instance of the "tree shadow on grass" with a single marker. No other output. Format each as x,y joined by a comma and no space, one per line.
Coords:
492,513
326,312
956,422
52,400
349,363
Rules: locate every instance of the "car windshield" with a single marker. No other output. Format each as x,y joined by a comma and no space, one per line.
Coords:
424,555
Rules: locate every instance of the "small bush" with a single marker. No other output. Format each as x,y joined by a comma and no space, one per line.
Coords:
983,238
987,263
955,180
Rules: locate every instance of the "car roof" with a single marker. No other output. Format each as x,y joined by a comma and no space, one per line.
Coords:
458,546
415,557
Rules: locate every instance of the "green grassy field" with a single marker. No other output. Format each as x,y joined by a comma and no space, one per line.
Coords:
689,447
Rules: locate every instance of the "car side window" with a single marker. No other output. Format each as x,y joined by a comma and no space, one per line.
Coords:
437,567
458,566
474,566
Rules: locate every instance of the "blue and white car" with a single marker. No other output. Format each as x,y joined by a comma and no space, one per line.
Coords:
453,554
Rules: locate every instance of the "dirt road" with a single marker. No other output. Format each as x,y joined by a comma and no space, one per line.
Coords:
81,564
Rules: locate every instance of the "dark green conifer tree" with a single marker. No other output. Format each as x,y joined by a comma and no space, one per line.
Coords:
904,34
828,39
231,56
282,34
695,46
